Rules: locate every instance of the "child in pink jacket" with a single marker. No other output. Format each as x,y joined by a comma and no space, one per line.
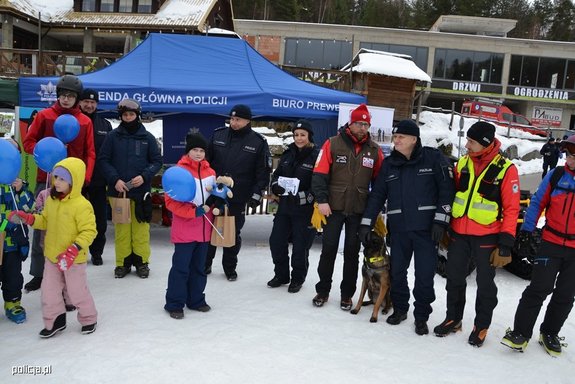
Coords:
190,234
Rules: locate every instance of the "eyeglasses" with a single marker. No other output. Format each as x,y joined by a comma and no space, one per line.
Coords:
362,124
67,95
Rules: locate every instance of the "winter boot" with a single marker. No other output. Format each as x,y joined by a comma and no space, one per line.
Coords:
15,312
319,300
277,282
232,276
345,303
294,286
59,325
421,327
177,314
448,326
477,336
121,271
34,284
396,318
514,340
551,343
143,271
97,260
87,329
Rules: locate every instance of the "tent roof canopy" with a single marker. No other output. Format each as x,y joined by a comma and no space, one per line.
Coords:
199,74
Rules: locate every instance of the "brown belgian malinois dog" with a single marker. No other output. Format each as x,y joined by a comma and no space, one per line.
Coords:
375,273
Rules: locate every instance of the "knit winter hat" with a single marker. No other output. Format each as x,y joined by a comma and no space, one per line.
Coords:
360,114
89,94
195,140
306,126
407,127
482,132
242,111
63,173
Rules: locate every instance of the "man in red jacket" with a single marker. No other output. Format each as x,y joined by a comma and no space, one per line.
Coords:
346,166
68,91
484,217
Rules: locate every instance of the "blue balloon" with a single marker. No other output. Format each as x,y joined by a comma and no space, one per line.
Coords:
179,184
10,162
66,128
48,152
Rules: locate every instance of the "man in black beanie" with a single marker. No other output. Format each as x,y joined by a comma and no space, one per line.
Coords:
483,226
243,154
96,190
416,185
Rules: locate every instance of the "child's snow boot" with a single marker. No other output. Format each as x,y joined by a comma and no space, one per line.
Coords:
15,312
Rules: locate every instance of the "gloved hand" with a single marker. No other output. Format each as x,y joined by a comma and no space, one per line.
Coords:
437,232
317,219
202,210
66,259
277,189
524,237
253,203
19,217
500,256
364,234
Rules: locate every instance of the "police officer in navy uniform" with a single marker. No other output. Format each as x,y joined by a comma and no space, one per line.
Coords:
243,154
293,216
417,184
96,190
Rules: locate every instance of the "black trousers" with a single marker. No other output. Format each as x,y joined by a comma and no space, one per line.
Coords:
298,229
98,199
11,276
37,252
230,255
419,244
478,248
330,242
553,273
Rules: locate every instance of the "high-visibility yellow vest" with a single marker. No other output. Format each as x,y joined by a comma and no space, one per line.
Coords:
480,199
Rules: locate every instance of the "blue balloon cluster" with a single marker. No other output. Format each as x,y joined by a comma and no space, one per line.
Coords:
48,152
179,184
66,128
10,162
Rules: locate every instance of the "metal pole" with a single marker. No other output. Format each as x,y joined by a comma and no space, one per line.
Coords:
40,61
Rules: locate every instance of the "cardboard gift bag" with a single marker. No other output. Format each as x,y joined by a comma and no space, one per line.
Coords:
120,209
226,226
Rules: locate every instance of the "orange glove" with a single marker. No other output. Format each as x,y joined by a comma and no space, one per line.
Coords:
500,258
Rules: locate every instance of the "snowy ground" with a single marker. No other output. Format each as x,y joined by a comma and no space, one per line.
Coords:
255,334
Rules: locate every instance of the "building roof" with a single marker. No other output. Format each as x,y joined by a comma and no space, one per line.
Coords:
386,63
173,13
473,25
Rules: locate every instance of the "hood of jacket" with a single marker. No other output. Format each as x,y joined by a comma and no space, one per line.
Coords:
77,169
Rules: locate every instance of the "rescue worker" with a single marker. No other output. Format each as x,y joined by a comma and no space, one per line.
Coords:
347,164
554,265
244,155
483,224
96,190
292,220
417,184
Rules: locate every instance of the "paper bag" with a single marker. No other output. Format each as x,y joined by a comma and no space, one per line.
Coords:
120,209
226,226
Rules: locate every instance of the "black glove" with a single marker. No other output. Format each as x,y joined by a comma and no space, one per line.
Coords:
364,234
143,208
524,237
253,203
277,189
437,232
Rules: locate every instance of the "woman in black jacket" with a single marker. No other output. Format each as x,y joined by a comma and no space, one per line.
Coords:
292,220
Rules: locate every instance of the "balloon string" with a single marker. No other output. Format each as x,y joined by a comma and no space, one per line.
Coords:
218,232
16,207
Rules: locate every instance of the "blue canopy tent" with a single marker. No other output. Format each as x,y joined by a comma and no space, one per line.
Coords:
203,75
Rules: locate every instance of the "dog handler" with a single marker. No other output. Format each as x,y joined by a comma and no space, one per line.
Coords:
417,184
484,217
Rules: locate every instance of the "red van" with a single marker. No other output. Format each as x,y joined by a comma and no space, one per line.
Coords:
500,114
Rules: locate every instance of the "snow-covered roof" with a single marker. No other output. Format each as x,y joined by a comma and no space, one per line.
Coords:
174,13
386,63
